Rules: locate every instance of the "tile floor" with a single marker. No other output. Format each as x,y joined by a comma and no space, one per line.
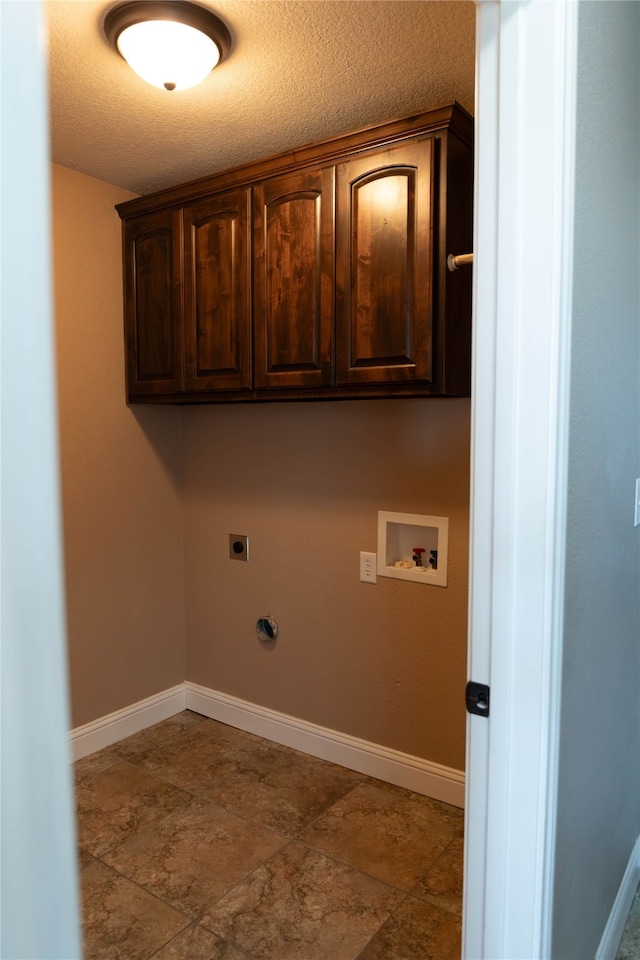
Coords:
201,842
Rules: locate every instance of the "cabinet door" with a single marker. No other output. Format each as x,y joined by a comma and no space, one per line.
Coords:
293,280
384,257
153,306
217,293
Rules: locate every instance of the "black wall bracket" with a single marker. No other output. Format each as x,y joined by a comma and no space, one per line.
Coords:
477,698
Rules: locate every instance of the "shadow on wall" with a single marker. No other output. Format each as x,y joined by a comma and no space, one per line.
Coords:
160,425
400,451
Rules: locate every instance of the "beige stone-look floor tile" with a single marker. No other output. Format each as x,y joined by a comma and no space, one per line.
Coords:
274,785
301,905
442,884
95,763
281,788
194,855
179,727
121,921
173,728
118,802
196,943
417,931
84,859
161,751
390,834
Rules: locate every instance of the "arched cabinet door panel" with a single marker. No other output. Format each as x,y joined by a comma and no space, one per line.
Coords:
294,280
217,293
153,305
385,256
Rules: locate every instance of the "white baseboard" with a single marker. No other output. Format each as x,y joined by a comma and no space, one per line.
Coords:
123,723
383,763
620,911
413,773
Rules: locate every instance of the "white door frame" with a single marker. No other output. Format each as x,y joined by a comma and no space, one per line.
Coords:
39,907
525,116
523,245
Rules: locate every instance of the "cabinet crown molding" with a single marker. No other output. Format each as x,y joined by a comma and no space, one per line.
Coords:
451,117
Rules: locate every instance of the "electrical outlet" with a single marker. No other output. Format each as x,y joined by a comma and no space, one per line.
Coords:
238,546
636,515
368,564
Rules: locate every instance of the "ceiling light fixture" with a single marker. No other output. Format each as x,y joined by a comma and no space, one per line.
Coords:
170,43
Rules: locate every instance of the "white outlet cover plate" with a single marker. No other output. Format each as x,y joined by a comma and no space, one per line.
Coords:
636,516
368,567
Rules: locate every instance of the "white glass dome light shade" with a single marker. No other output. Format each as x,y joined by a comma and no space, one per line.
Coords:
171,44
167,54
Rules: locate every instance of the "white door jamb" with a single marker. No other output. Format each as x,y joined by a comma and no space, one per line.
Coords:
525,114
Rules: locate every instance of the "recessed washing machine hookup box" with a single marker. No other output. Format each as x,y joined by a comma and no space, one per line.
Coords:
413,547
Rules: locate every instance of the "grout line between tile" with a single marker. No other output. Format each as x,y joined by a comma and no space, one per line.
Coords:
286,838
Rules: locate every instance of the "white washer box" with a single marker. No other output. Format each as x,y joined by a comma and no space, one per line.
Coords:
400,533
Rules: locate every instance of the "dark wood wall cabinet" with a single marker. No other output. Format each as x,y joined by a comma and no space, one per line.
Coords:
316,274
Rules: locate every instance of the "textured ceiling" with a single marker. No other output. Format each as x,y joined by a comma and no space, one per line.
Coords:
298,71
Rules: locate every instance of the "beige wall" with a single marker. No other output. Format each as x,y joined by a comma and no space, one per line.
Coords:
305,481
386,663
120,474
